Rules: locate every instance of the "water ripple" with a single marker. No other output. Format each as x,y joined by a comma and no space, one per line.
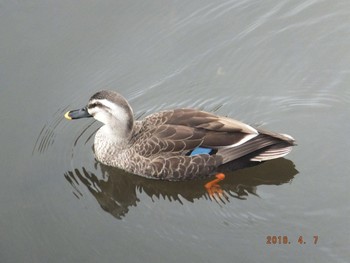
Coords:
48,133
260,21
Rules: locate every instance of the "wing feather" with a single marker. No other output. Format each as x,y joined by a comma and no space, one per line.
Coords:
195,128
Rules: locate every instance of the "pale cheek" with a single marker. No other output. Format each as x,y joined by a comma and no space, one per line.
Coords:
102,118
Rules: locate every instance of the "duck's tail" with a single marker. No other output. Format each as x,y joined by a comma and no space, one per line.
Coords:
272,152
276,150
265,146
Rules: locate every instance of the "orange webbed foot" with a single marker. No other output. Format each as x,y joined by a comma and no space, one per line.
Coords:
214,190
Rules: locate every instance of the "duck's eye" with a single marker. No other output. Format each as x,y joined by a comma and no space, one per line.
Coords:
95,104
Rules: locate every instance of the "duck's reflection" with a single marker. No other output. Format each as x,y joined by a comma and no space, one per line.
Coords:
116,190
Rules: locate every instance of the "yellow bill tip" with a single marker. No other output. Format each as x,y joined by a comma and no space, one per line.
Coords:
66,115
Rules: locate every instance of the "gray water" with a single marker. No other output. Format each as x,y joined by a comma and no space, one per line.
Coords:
281,64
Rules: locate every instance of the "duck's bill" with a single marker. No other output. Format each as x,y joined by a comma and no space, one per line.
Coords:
77,114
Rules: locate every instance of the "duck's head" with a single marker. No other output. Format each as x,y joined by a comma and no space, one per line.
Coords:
110,108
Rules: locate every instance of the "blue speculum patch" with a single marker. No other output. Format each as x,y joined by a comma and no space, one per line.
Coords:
200,150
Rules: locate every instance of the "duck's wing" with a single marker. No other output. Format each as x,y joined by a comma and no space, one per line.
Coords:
265,146
182,130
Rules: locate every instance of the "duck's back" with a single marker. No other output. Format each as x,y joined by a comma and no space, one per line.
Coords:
166,144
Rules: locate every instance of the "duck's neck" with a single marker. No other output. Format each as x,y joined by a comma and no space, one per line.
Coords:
115,136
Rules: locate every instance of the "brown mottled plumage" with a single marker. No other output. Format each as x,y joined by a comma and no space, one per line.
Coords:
161,145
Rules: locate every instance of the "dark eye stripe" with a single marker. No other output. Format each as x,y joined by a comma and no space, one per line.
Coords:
96,104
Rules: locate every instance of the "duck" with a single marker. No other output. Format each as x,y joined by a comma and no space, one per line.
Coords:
179,144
